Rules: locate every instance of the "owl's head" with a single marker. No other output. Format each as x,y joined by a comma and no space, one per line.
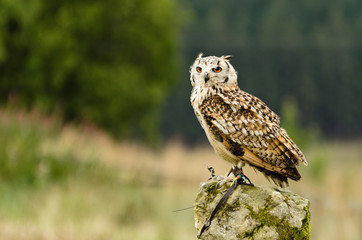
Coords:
212,71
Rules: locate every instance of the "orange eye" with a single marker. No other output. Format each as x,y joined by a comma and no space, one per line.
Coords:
217,69
198,69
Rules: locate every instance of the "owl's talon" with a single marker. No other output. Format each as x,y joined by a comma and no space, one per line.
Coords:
239,174
244,178
211,170
213,176
224,180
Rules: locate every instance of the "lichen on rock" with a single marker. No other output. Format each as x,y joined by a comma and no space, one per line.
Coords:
259,212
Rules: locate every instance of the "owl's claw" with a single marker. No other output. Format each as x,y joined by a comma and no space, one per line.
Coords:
228,177
213,175
244,182
239,172
212,171
224,180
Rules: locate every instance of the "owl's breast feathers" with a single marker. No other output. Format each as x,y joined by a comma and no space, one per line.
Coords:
250,131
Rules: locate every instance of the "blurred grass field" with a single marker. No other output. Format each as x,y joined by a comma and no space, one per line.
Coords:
67,182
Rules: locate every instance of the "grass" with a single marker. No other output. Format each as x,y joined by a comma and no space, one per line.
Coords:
66,182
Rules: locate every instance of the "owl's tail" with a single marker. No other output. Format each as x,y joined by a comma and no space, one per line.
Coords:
280,178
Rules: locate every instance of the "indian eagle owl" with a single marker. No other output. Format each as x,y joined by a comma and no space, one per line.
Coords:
239,126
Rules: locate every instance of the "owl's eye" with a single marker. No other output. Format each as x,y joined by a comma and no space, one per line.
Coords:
217,69
198,69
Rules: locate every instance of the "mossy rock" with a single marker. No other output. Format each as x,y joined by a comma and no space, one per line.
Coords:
259,212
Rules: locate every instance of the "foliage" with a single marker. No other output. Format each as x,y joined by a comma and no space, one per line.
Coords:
319,167
23,161
107,62
290,118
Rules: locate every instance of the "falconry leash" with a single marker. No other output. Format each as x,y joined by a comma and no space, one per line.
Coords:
240,179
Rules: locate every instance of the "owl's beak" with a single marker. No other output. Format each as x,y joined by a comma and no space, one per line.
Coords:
206,77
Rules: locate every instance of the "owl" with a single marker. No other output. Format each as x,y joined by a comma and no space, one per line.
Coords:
239,126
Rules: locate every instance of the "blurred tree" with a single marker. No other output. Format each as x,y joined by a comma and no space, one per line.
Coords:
308,49
290,121
108,62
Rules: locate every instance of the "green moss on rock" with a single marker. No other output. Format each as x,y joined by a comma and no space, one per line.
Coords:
253,213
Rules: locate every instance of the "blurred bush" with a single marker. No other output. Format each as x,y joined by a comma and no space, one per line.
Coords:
290,118
319,167
25,162
22,162
107,62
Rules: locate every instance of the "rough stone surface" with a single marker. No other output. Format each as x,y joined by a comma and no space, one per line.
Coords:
260,212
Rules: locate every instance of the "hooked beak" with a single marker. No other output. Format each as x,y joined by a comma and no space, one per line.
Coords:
206,77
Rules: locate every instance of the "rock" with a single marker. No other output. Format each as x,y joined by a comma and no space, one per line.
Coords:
259,212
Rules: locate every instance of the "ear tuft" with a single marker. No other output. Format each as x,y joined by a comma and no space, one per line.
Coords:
200,55
227,57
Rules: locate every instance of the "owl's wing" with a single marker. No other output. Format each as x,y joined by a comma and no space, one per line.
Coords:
250,130
238,99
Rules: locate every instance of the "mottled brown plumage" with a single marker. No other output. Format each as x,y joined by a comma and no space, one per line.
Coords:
239,126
